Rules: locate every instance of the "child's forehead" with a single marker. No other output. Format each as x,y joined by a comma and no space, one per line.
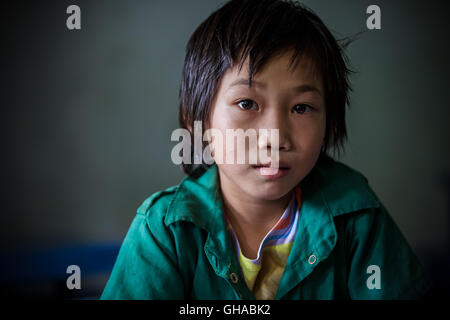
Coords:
281,66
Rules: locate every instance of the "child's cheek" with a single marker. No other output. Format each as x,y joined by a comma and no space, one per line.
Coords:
225,150
238,147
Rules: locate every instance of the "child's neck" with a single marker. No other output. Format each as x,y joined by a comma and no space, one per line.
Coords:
251,218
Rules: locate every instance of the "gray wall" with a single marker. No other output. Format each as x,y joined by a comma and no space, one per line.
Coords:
88,114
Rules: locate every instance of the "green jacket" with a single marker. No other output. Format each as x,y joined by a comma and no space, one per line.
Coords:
347,245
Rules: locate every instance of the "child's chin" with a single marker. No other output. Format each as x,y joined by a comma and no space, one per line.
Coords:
271,192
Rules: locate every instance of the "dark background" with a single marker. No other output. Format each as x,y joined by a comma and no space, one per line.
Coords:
87,116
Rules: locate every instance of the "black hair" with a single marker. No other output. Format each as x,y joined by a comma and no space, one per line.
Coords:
258,30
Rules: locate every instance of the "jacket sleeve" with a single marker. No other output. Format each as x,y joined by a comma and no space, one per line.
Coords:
381,263
146,267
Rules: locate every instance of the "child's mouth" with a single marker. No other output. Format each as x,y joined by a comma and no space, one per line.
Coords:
272,173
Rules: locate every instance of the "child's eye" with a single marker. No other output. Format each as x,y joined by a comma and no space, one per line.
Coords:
301,108
247,105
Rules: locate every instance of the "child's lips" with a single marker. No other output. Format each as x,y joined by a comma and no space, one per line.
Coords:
272,173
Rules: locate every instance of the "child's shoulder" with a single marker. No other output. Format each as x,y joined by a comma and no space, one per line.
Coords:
188,201
344,188
159,200
339,171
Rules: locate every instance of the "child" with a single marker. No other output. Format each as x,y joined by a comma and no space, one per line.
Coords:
313,229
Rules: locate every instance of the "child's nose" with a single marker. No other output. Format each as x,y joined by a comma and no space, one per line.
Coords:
282,140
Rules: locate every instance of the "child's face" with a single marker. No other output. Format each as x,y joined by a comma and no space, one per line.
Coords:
275,104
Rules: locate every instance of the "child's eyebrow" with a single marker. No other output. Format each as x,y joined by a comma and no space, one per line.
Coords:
297,89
